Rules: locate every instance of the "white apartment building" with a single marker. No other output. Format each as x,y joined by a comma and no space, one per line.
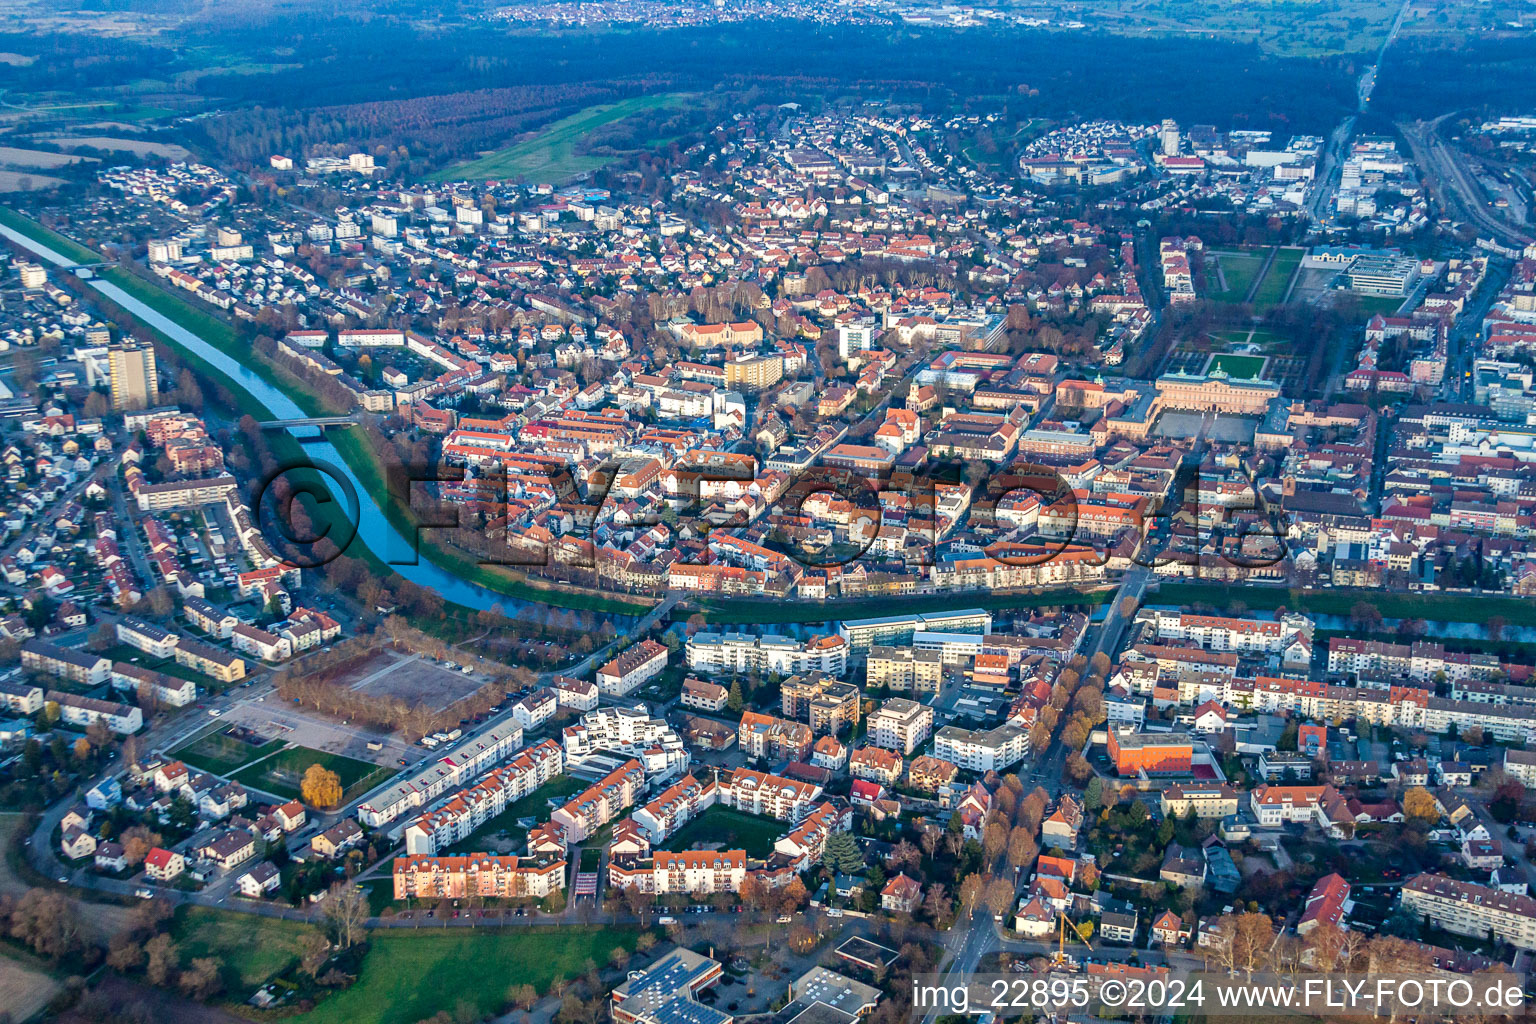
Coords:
953,648
981,750
147,637
633,668
770,795
692,872
1279,805
1521,764
674,808
714,653
1223,633
470,808
472,758
576,693
82,711
1473,910
627,733
536,708
901,725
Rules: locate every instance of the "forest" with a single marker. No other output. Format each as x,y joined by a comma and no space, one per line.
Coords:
287,81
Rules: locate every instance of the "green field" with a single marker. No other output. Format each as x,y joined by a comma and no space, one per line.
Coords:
730,828
1238,269
282,773
220,754
252,948
1386,305
534,805
1263,337
551,154
1277,282
408,975
1241,367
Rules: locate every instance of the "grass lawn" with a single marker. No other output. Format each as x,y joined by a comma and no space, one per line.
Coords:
1242,367
253,948
534,805
730,828
408,975
1238,269
551,154
222,755
1278,281
282,773
1386,305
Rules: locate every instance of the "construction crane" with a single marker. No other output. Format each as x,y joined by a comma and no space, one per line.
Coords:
1062,923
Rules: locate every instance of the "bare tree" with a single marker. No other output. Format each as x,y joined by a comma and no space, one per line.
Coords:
346,910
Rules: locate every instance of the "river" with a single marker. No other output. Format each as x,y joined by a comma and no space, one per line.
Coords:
373,526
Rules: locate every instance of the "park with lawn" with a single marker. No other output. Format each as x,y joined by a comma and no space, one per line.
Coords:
1237,366
406,975
409,975
725,828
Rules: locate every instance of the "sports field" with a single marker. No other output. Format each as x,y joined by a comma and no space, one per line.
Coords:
283,773
551,154
222,754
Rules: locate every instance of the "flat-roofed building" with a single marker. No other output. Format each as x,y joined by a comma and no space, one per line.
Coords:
901,725
903,668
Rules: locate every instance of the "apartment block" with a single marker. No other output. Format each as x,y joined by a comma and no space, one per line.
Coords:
901,725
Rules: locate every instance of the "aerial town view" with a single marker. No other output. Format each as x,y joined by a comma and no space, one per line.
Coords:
765,512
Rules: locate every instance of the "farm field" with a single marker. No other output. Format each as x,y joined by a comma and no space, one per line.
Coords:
728,829
40,159
408,976
26,181
282,773
24,991
551,153
138,147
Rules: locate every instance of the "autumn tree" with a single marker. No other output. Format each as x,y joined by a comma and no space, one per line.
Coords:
48,922
321,786
1419,805
971,892
1021,847
163,958
998,896
202,978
